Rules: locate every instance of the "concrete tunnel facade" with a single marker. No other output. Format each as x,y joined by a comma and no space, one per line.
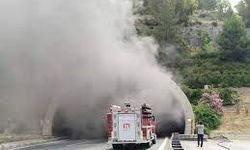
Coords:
47,122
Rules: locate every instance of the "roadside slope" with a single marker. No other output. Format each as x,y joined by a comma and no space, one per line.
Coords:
236,120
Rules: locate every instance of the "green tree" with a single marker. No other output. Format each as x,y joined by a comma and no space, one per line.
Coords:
247,14
207,4
185,9
206,42
224,9
243,8
162,18
167,23
232,39
159,20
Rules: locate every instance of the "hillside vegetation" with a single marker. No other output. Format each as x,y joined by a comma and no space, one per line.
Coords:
203,43
248,33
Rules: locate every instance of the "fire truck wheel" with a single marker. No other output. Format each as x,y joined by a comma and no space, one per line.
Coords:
147,145
117,146
154,141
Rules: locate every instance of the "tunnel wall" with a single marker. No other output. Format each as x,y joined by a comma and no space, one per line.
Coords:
188,112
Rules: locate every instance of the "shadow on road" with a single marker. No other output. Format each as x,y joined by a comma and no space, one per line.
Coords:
133,147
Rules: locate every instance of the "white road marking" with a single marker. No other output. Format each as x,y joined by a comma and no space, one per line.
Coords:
75,144
163,145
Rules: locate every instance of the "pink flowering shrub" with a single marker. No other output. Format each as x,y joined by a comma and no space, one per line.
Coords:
214,101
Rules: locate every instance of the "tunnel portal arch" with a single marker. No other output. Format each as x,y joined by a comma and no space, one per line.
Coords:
47,122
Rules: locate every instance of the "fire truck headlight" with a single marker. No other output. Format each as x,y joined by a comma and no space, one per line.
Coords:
112,135
141,135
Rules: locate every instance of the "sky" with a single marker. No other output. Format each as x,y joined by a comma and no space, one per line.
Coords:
234,2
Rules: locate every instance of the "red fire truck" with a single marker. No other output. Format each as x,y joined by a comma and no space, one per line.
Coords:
127,125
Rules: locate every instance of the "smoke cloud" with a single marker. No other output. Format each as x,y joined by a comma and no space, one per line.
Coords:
81,56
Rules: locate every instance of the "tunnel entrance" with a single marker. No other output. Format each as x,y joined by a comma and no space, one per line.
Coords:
59,125
65,127
83,128
79,125
165,128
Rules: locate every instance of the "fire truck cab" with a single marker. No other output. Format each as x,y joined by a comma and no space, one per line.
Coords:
127,125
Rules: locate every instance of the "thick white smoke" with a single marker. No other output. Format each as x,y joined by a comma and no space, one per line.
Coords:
81,54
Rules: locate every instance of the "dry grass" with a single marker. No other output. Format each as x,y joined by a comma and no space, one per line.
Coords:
237,122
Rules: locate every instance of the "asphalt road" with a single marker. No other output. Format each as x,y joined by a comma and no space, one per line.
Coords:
88,145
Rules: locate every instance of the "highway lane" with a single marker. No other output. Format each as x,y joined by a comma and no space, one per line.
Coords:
88,145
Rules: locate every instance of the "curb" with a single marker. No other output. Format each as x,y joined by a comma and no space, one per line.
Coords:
20,144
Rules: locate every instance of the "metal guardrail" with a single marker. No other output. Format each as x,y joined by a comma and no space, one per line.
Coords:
175,143
220,144
222,139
